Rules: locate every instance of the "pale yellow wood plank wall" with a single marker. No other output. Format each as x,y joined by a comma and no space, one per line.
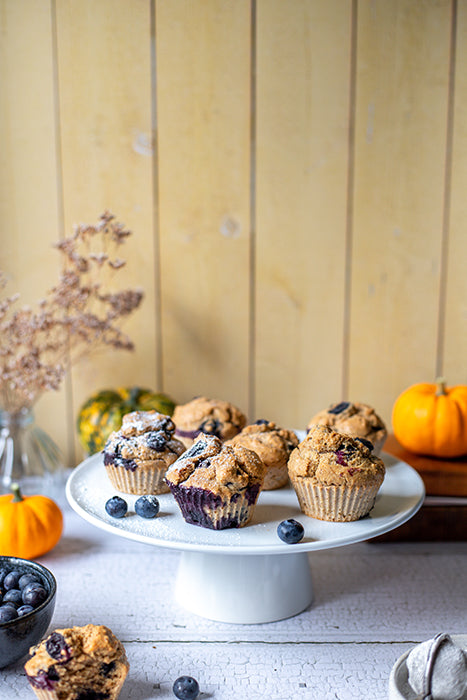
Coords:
402,91
294,174
30,220
302,154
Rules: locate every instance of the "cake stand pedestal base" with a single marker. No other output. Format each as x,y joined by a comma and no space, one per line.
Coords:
244,589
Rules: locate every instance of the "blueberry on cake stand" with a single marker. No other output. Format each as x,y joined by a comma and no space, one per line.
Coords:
246,575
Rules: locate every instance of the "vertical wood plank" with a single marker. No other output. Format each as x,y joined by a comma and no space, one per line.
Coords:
303,74
104,69
203,118
455,325
29,205
400,151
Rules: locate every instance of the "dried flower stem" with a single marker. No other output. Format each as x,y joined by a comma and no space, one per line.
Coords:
77,315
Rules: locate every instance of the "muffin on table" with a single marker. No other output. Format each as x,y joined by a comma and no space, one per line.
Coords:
78,662
209,416
216,486
137,456
355,419
336,477
273,445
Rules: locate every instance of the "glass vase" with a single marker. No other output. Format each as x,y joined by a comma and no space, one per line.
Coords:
29,457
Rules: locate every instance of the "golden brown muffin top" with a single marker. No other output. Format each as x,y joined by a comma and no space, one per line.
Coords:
355,419
210,464
331,458
272,444
145,437
210,416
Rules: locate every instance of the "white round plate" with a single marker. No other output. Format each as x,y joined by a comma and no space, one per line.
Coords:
399,688
399,498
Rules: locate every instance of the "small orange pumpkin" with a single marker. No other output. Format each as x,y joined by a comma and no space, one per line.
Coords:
431,419
29,525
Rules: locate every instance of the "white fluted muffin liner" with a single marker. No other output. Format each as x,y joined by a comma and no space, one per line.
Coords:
334,503
141,481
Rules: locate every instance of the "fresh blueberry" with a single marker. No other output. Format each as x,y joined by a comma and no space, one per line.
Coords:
34,596
366,442
147,506
186,688
157,441
57,647
211,426
11,580
13,596
24,610
339,407
116,507
290,531
28,578
7,613
3,573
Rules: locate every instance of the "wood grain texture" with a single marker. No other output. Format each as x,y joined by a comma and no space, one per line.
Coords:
455,300
301,206
29,199
104,70
403,52
203,122
372,603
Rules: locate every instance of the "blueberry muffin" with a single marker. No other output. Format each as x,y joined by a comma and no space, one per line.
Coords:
336,477
77,663
355,419
136,457
216,486
209,416
273,445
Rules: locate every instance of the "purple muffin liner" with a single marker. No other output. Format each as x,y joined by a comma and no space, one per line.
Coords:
207,509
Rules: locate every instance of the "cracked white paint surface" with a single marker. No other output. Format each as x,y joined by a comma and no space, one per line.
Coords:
372,603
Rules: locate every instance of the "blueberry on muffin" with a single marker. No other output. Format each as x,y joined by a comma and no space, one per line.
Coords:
216,486
355,419
208,416
273,445
137,456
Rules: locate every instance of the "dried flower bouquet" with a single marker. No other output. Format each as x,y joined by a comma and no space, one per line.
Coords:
75,317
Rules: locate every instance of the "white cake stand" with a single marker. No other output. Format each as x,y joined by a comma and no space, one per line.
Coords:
245,575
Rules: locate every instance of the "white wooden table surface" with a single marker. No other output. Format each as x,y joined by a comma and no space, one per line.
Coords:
372,603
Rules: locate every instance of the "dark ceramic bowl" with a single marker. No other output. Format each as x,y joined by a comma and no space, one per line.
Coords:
17,636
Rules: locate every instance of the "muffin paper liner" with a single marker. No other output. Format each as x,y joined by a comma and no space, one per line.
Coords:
334,503
203,507
140,481
45,694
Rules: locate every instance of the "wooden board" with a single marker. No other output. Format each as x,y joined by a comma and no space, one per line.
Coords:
441,477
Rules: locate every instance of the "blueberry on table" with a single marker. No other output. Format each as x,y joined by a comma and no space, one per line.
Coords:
147,506
186,688
290,531
7,613
116,507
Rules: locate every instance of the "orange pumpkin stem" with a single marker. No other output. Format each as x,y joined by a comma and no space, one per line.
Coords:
17,495
441,387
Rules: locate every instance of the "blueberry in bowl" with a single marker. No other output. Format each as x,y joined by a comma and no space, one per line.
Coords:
27,602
